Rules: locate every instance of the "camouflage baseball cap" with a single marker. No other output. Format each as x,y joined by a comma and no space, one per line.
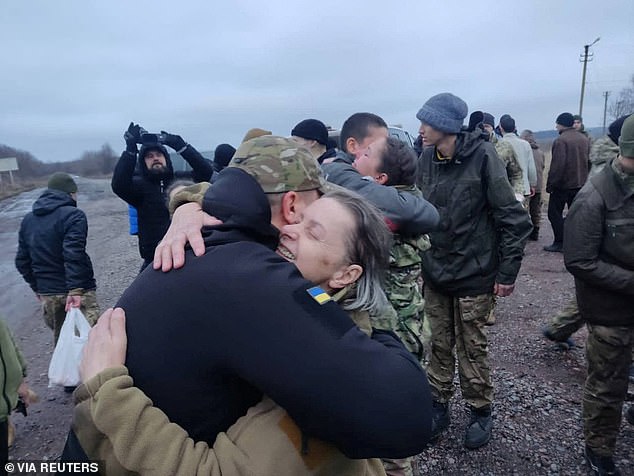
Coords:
280,165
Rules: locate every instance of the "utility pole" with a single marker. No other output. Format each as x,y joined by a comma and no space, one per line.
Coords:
605,108
585,58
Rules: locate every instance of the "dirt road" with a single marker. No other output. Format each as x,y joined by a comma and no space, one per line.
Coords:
537,427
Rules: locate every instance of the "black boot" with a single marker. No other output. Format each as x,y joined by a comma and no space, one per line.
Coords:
534,236
479,430
556,247
600,465
440,419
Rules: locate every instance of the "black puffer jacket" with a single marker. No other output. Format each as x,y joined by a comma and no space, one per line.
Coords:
147,192
52,254
599,249
483,228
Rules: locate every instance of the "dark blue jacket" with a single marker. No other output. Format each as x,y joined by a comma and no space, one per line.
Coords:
51,253
206,341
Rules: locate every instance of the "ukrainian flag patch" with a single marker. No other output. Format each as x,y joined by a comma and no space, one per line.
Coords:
319,295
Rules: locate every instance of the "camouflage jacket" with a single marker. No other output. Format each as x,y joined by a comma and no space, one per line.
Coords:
601,152
513,168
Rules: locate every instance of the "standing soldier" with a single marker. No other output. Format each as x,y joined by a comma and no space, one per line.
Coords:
52,256
475,254
569,319
599,252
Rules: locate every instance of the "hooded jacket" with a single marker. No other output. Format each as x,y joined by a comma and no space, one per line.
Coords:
205,342
51,253
146,191
540,162
599,249
603,150
12,371
483,228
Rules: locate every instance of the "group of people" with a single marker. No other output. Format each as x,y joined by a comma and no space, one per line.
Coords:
290,338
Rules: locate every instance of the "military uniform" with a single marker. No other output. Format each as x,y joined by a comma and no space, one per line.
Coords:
54,313
513,168
403,286
460,271
52,256
599,252
565,323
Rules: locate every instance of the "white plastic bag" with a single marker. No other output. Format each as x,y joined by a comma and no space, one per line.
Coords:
64,366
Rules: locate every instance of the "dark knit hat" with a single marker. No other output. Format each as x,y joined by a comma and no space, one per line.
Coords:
507,123
614,129
223,154
311,129
62,182
444,112
626,141
489,119
565,119
476,118
577,117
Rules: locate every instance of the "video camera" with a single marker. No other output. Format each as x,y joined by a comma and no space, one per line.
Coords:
148,138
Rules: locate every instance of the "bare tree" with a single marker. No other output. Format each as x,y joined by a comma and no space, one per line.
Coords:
623,104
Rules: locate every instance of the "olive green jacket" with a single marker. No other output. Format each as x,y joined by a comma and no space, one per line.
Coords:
12,371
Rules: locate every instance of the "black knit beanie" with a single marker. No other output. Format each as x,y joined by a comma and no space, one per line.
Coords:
565,119
311,129
614,129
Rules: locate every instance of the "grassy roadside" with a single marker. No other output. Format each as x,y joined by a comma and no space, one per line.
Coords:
8,190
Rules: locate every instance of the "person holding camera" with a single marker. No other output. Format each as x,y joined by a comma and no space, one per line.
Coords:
146,191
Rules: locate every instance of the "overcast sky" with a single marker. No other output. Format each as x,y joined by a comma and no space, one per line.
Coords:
75,73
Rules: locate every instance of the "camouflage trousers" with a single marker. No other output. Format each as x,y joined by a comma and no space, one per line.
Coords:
566,322
403,290
459,322
54,314
609,355
398,467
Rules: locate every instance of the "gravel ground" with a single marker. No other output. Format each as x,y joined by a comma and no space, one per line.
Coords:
537,413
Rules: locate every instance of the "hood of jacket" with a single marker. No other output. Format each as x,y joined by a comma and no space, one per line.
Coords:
51,200
237,199
466,144
153,177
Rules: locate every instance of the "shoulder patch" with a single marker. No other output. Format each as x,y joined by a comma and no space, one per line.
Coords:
319,295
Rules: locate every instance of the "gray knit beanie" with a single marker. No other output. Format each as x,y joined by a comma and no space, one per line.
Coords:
444,112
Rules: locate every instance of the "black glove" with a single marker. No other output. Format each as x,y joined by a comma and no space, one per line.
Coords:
175,142
132,136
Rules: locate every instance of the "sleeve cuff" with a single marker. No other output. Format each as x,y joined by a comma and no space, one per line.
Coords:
91,387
